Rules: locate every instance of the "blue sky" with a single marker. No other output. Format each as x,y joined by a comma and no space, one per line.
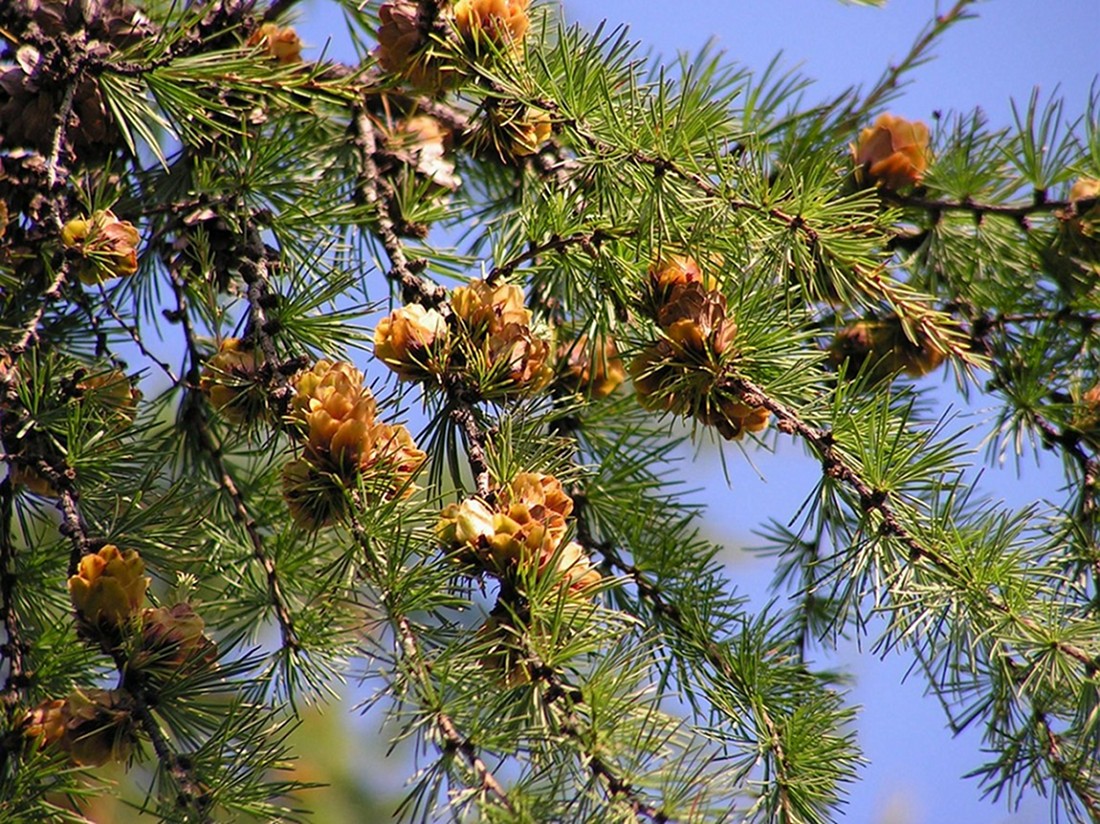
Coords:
916,766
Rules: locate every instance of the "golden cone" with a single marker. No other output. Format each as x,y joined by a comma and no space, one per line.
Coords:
109,586
109,246
892,153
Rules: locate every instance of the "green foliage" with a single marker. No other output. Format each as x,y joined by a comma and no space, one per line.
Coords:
541,626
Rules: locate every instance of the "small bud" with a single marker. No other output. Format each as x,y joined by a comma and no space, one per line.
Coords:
893,153
486,309
109,587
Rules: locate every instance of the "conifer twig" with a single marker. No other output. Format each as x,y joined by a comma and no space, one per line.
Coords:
557,692
711,650
589,241
214,454
409,644
835,466
14,647
371,188
191,797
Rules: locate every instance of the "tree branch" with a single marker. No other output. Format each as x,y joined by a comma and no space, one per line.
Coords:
372,189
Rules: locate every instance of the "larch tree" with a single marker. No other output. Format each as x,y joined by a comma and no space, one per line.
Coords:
229,276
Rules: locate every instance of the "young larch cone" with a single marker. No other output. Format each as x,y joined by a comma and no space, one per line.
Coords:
229,380
501,22
486,308
334,386
344,444
412,341
523,357
574,566
281,43
113,391
892,153
597,371
109,587
109,246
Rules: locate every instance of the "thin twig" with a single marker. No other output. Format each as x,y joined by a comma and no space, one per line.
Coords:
570,724
589,241
711,649
192,798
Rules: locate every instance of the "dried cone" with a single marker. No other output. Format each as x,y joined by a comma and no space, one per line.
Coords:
502,23
885,346
92,726
229,381
412,342
46,722
1077,244
173,639
893,153
281,43
109,587
109,246
694,320
404,46
596,372
733,419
